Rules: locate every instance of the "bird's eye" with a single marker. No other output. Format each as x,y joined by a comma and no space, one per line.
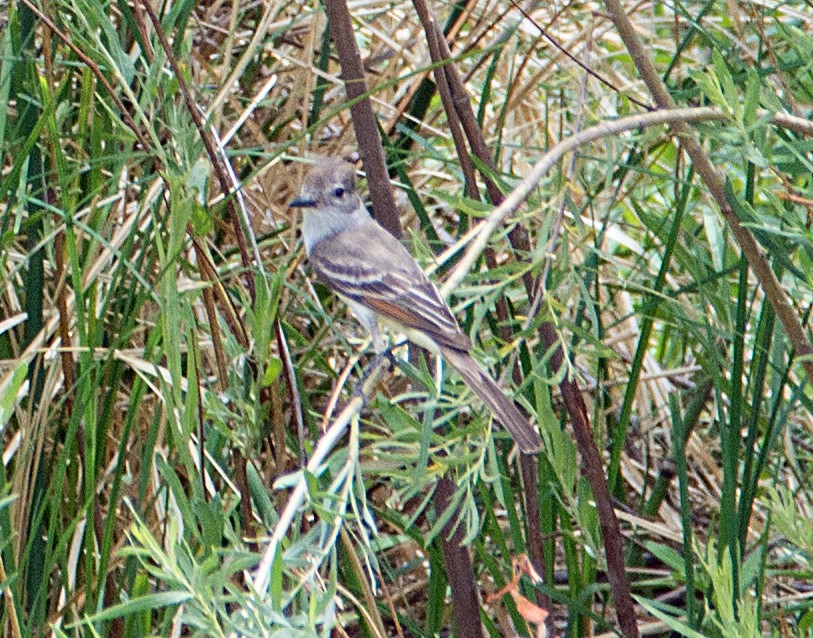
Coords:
339,192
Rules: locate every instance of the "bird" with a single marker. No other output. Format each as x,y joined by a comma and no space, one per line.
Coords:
379,280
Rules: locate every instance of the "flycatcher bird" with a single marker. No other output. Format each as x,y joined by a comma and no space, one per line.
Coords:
378,279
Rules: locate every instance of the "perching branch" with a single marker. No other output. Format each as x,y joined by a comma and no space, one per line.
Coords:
326,443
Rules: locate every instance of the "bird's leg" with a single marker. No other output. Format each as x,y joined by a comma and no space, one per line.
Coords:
376,365
383,357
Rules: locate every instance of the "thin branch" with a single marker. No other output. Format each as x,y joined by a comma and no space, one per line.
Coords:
364,122
456,559
716,184
261,578
586,67
94,68
433,37
479,236
220,172
459,569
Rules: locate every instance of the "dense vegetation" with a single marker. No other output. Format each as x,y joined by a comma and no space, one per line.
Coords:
618,202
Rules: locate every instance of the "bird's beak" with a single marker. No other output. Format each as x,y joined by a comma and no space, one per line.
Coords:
302,202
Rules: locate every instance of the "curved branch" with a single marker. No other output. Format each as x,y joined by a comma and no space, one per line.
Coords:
479,235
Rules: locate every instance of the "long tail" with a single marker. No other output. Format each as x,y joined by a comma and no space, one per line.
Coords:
503,409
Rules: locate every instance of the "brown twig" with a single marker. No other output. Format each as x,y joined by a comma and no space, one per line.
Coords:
625,610
446,76
459,570
293,387
593,471
219,171
716,184
433,37
364,122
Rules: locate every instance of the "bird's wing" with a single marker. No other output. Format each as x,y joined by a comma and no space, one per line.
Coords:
371,267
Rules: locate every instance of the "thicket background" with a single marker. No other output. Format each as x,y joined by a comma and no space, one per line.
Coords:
168,364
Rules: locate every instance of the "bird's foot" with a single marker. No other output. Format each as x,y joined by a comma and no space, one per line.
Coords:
371,372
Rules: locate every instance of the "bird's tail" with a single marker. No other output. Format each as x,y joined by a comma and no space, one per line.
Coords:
503,408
